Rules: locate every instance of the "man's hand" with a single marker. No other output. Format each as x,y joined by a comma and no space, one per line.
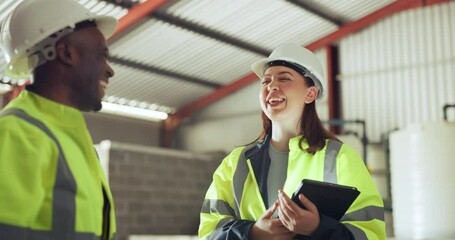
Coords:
268,228
298,220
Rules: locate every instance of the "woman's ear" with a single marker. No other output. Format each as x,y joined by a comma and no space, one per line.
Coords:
312,93
65,53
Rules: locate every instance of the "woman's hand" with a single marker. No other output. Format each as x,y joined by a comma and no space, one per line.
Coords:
267,227
298,220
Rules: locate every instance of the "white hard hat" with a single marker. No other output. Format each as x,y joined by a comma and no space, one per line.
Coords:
33,21
297,56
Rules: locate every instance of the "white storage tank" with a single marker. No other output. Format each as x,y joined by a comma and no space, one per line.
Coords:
422,159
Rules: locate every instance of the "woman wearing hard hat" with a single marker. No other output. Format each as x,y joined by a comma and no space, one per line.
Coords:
249,195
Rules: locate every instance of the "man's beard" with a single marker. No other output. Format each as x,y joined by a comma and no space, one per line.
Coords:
97,106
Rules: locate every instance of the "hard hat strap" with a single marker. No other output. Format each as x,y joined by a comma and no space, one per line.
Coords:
45,51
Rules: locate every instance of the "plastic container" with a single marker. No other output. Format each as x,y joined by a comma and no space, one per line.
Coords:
422,161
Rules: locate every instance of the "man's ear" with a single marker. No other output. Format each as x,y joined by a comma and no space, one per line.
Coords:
312,93
65,53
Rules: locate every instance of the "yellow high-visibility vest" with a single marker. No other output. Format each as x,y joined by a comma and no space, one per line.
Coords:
51,182
234,200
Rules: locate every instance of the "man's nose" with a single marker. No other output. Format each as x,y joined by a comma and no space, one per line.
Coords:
110,71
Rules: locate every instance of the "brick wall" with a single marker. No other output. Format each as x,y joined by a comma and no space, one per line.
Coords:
159,192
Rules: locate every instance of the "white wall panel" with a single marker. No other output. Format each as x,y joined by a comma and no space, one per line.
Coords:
122,129
230,122
400,70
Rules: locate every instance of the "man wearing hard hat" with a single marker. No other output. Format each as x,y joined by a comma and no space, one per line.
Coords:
51,182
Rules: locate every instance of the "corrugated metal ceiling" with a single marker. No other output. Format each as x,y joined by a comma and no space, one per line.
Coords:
189,48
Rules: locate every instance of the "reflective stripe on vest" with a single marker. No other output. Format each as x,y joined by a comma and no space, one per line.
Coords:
64,198
240,175
20,233
368,213
217,206
357,232
330,161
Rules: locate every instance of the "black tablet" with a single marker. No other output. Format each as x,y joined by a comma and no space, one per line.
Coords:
331,199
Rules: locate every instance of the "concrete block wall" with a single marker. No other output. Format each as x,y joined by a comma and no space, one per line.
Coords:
159,192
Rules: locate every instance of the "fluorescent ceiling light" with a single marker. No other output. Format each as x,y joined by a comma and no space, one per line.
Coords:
133,112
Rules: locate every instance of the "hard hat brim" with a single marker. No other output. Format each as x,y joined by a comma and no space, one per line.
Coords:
258,69
258,66
106,25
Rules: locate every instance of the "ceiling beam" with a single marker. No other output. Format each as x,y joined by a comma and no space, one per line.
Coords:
344,31
316,10
160,71
431,2
355,26
216,95
205,31
121,3
137,13
150,8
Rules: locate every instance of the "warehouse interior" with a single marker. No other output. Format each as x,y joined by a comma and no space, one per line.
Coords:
184,96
